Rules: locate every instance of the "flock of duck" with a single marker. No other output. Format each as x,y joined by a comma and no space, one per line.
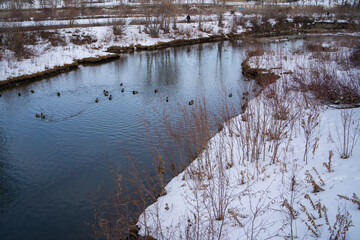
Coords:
106,94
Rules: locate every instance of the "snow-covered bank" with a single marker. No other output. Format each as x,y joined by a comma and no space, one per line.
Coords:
275,171
63,47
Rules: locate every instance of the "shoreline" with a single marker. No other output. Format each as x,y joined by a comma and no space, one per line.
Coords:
114,51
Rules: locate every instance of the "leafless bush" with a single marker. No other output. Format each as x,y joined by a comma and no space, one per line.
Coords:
260,220
53,37
16,40
291,199
118,26
152,27
341,225
327,86
82,38
349,134
283,103
355,56
310,124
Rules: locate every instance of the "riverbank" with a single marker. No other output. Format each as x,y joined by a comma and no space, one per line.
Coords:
40,58
283,168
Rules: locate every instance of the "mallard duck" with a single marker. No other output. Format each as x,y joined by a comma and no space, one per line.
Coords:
97,100
121,84
167,99
110,98
19,94
123,90
156,91
37,115
32,91
106,93
58,94
135,92
42,116
191,102
230,95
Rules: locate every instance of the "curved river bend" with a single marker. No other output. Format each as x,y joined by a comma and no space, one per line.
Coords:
50,169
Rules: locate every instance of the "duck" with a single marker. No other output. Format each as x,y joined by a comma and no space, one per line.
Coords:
19,94
167,99
110,98
106,93
37,115
121,84
156,91
230,95
135,92
191,102
42,116
123,90
58,94
0,95
32,91
97,100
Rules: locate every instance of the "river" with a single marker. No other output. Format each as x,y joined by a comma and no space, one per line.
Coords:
51,169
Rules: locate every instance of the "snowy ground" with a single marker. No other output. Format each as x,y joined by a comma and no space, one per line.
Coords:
252,181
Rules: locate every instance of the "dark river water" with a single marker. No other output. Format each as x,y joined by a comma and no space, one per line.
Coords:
51,169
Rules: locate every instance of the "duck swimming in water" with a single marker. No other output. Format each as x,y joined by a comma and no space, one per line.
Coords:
135,92
110,98
32,91
58,94
167,99
156,91
19,94
123,90
97,100
191,102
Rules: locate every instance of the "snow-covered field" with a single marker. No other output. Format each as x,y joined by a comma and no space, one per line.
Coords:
258,180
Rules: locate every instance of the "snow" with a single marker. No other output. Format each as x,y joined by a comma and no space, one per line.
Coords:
251,191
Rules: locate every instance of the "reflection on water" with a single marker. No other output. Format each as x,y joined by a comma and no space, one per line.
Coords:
50,169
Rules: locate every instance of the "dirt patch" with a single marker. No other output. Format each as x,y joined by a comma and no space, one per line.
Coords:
263,77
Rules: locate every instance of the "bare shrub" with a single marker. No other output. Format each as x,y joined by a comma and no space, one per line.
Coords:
349,134
309,123
16,40
291,200
53,37
152,27
355,56
82,38
327,86
118,26
341,224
